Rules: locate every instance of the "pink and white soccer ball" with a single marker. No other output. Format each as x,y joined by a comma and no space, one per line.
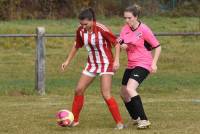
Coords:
64,118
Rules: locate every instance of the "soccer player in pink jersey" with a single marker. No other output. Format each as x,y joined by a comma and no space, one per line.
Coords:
98,40
138,41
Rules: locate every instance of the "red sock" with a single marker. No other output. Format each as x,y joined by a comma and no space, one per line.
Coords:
77,106
113,107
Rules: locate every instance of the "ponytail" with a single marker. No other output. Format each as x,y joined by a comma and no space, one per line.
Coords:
93,14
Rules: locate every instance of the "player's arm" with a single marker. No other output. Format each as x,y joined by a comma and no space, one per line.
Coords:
120,39
155,58
69,57
77,44
116,57
154,45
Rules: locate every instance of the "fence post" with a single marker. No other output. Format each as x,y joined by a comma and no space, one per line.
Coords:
40,61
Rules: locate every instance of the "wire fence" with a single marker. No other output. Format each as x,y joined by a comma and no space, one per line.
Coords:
117,34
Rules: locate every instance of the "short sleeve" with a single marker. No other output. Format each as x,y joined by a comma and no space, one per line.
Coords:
109,36
150,38
120,39
78,40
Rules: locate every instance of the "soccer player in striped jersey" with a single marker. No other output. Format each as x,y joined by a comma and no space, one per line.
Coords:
138,41
98,40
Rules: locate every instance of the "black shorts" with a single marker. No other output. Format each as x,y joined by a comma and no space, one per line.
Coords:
137,73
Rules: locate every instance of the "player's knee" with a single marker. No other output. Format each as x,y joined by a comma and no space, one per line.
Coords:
125,97
128,89
131,91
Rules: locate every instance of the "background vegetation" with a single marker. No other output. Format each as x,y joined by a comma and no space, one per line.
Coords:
54,9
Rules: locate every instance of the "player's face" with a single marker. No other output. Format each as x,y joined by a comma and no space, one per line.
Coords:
87,24
130,18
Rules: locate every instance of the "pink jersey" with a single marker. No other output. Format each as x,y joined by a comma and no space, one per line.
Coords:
98,44
140,43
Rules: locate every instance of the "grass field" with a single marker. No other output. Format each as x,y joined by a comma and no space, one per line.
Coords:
174,113
171,96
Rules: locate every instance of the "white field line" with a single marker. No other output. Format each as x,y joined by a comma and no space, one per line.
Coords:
87,102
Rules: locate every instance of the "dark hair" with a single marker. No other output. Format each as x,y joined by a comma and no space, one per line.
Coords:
87,14
134,9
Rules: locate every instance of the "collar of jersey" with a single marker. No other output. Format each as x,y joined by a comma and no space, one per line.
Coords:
132,29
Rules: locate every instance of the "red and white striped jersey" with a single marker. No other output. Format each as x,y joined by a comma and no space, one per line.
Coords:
98,44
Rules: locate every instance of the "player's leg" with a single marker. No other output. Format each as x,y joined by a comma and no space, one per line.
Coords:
106,82
137,76
127,98
124,94
78,101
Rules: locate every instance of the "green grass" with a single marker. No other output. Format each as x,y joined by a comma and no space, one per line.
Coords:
174,113
159,24
171,96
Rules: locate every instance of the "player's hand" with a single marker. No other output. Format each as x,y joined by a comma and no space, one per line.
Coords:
64,65
154,68
124,46
116,65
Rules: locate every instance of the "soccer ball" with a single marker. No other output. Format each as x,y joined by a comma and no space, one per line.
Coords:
64,118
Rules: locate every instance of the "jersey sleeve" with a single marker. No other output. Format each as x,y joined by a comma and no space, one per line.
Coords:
78,39
109,36
150,38
120,39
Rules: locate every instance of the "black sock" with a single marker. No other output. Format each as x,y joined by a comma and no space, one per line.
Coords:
131,110
136,101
